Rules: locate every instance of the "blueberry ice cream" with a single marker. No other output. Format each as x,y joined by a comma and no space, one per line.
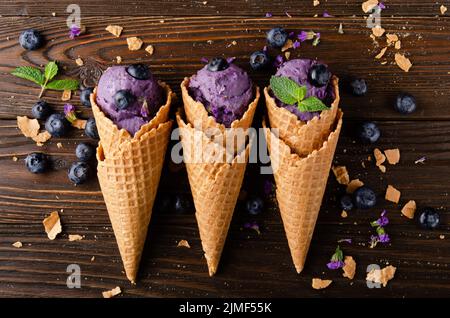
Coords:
224,89
129,95
312,74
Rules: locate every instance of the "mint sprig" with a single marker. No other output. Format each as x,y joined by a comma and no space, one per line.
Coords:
290,93
44,80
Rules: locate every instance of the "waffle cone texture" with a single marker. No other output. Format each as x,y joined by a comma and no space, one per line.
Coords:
302,137
129,169
216,178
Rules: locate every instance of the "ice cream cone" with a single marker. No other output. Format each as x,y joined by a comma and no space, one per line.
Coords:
129,169
215,182
301,182
302,137
198,117
111,136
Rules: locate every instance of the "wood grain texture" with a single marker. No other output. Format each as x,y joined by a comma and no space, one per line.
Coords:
252,264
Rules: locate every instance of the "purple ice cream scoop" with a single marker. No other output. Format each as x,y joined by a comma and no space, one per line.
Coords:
297,70
138,100
225,91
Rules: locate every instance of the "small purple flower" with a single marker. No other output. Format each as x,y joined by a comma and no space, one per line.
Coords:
75,31
296,44
327,15
384,238
382,221
278,60
268,187
144,109
69,111
335,264
302,36
204,60
252,226
265,48
382,6
269,15
231,59
291,34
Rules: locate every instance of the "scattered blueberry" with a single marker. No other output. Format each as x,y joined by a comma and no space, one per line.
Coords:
79,172
346,202
358,87
85,96
277,37
36,162
41,110
365,198
406,103
369,132
183,204
91,128
85,151
254,205
31,39
123,98
259,60
139,71
429,218
319,75
57,125
217,64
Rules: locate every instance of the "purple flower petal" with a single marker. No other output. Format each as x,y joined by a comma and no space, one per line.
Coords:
269,15
302,36
231,59
327,15
291,34
382,6
74,31
204,60
296,44
278,60
68,109
335,264
265,48
252,226
384,238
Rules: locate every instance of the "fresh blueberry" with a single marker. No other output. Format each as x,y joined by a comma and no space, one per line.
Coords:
346,202
365,198
139,71
429,218
85,95
358,87
123,98
91,128
259,60
57,125
37,162
277,37
183,204
217,64
254,205
369,132
31,39
41,110
85,151
79,172
319,75
406,103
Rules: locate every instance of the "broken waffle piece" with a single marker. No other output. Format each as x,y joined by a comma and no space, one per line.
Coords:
381,54
150,49
353,185
79,123
42,137
66,95
349,267
318,283
111,293
443,9
28,127
403,62
379,157
114,30
378,31
369,5
79,61
391,38
52,225
344,214
381,276
409,209
382,168
392,194
17,244
134,43
341,174
392,156
183,243
75,237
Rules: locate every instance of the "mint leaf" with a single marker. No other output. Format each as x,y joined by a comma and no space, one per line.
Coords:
61,85
312,104
51,69
286,90
29,73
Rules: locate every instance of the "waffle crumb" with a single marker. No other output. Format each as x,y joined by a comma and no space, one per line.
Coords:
52,225
379,157
29,127
42,137
66,95
111,293
75,237
403,62
381,276
368,5
288,45
15,159
349,267
183,243
316,3
378,31
79,123
17,244
392,156
59,145
115,30
318,283
353,185
79,61
381,54
344,214
118,59
409,209
134,43
443,9
392,194
150,49
341,174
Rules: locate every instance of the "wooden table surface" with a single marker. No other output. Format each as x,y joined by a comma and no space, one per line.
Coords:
252,264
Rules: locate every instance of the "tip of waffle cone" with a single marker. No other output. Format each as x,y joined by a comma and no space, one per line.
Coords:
212,268
299,268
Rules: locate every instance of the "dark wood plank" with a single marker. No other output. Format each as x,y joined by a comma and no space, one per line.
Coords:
215,7
251,264
181,42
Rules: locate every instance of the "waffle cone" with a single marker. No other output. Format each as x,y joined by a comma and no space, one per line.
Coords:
198,117
128,170
301,183
215,182
111,136
302,137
